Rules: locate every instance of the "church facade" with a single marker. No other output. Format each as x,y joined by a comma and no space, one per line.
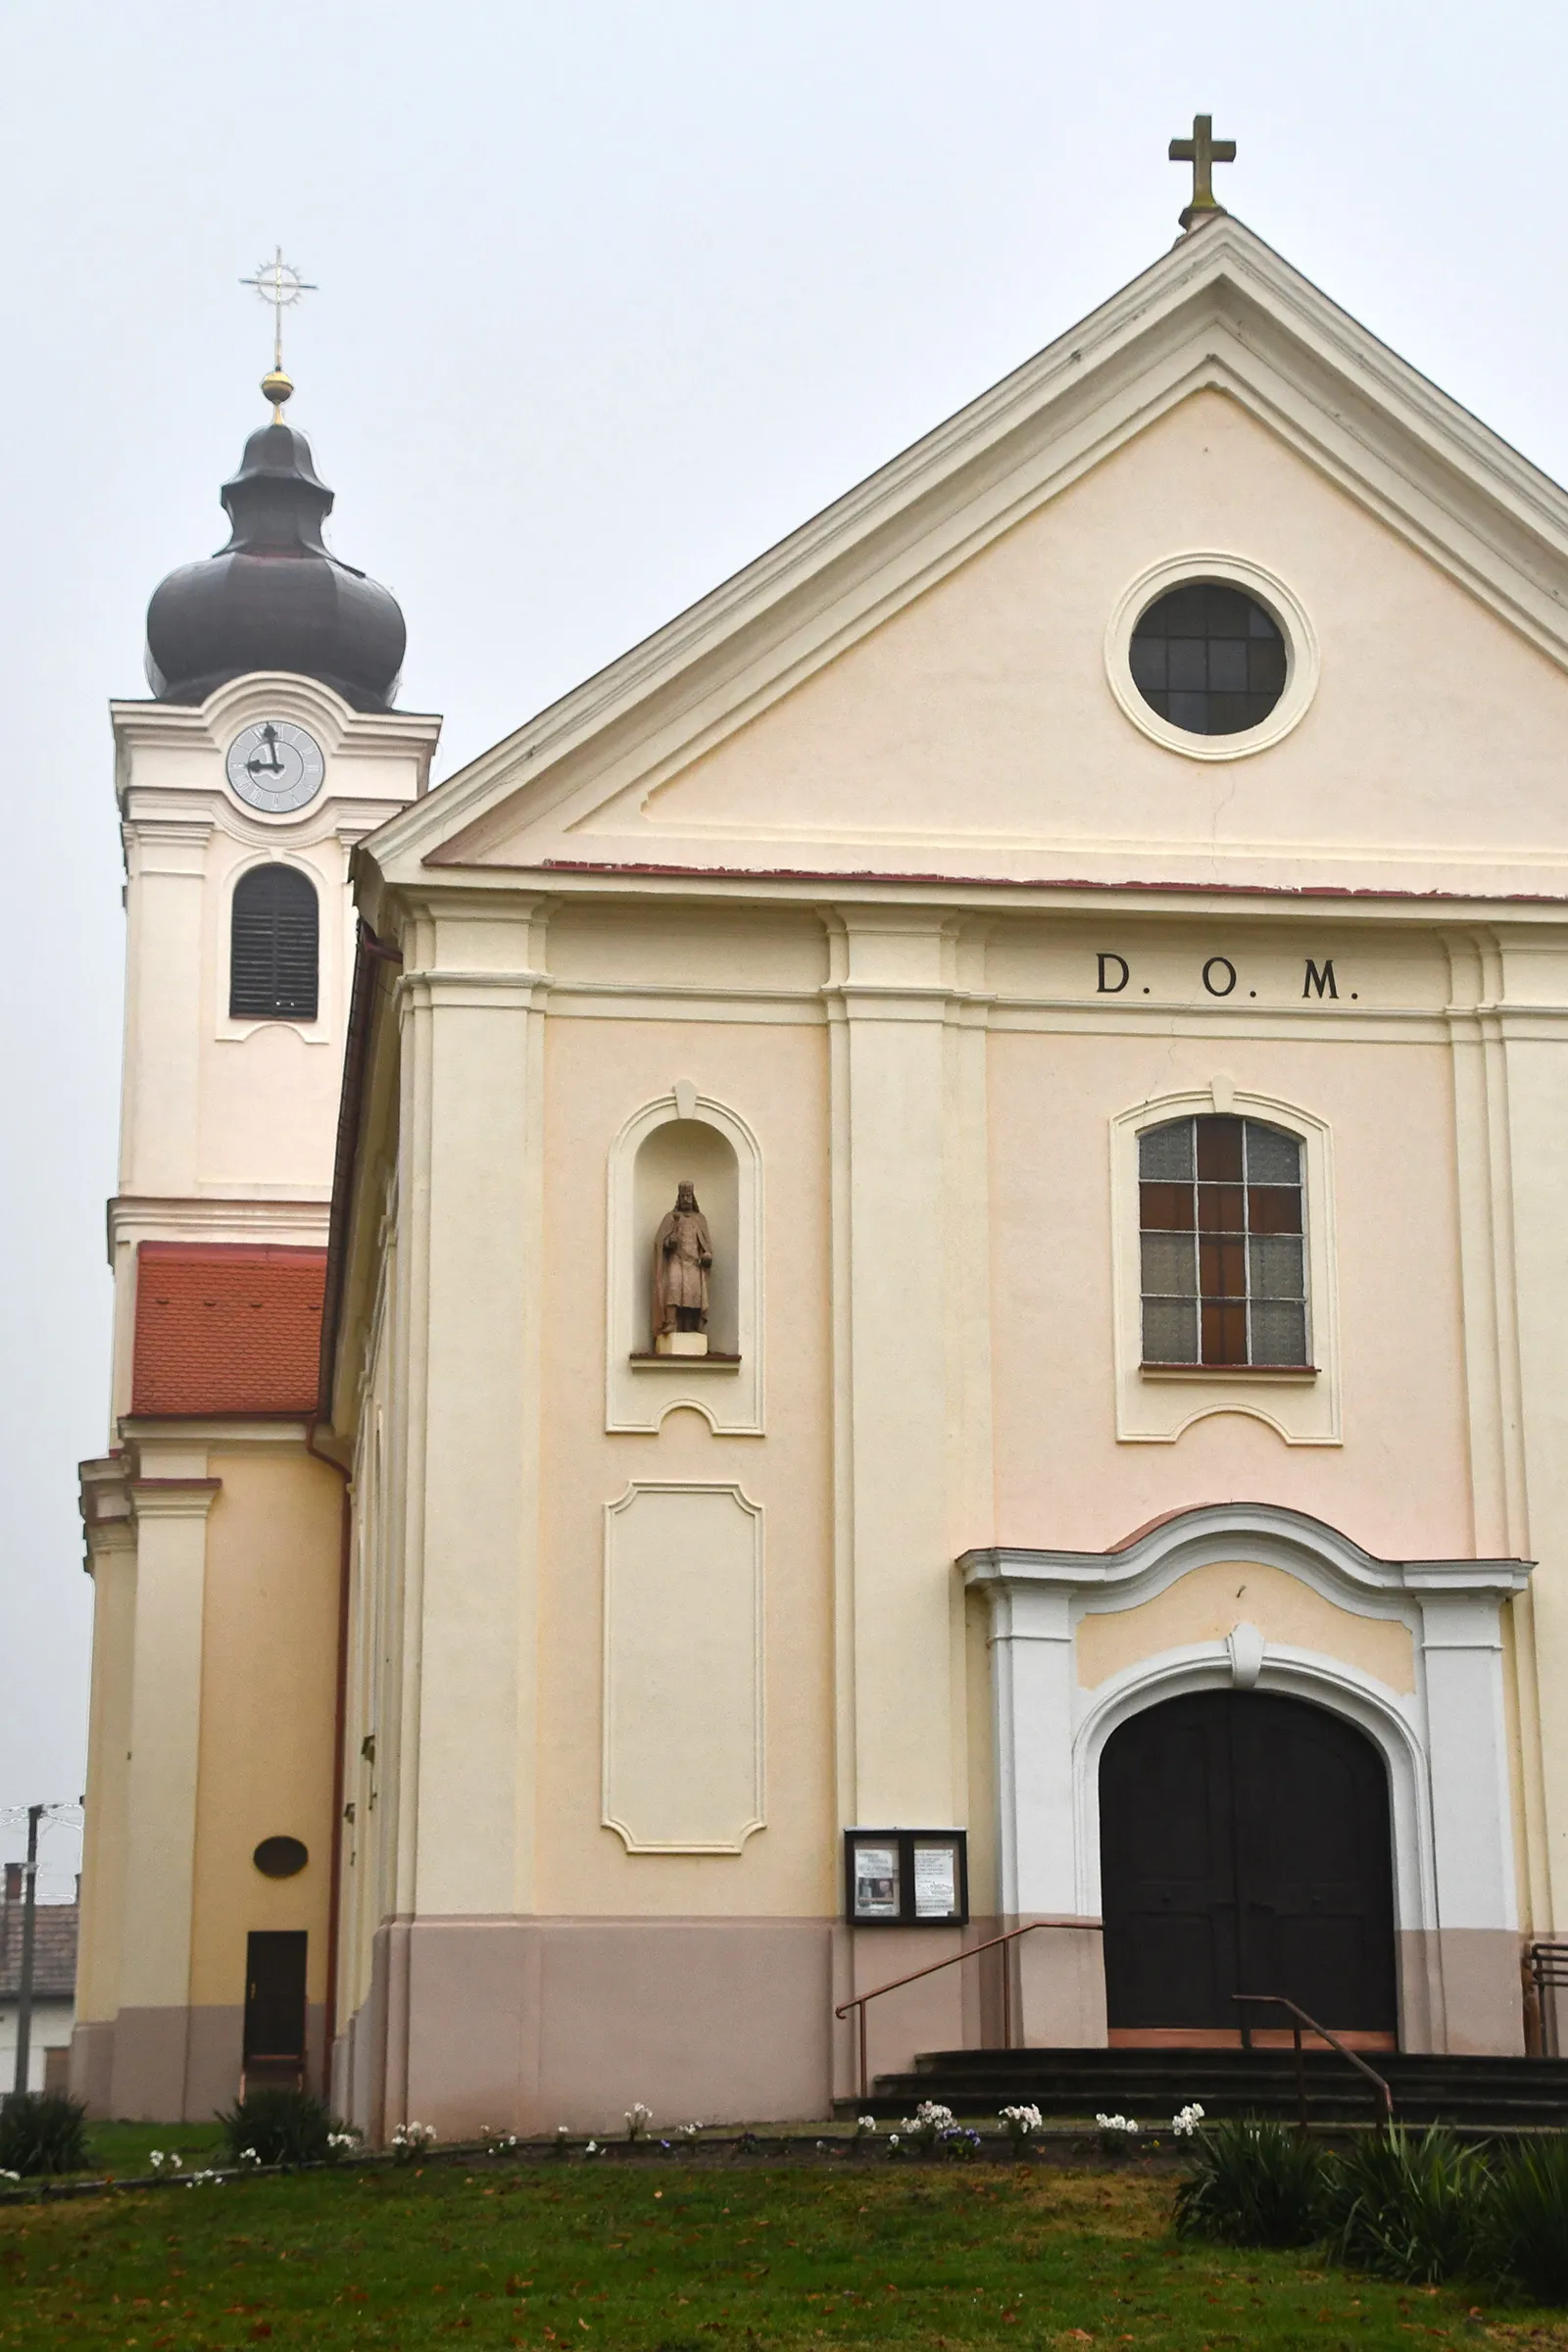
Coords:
1084,922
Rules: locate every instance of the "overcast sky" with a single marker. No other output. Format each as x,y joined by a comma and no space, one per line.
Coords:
611,297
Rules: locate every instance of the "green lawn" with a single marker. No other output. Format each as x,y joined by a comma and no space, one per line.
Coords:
670,2258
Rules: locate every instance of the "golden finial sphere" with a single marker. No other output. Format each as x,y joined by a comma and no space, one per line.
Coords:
276,387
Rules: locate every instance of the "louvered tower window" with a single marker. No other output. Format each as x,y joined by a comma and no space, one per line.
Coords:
273,947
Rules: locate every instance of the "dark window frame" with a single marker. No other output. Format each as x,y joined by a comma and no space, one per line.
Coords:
1209,658
1223,1235
275,945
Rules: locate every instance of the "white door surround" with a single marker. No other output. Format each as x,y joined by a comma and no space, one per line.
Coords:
1444,1742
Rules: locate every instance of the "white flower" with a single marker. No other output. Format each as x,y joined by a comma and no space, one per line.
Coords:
929,2120
865,2122
1186,2121
592,2148
638,2119
158,2158
6,2174
1021,2122
1115,2123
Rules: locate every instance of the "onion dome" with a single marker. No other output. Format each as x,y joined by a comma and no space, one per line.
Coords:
274,598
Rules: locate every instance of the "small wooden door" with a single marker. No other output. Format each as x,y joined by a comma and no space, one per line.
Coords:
1245,1848
275,2006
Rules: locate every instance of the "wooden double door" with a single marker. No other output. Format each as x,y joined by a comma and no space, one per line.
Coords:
1245,1848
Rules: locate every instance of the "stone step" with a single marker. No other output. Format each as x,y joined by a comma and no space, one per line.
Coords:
1484,2093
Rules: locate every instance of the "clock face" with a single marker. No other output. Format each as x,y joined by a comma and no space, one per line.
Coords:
275,765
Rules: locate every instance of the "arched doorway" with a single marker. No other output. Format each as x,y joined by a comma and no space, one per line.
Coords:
1245,1848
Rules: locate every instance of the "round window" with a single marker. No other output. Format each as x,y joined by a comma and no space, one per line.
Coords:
1209,659
281,1857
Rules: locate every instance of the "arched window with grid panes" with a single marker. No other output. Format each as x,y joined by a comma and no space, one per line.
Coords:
274,945
1223,1241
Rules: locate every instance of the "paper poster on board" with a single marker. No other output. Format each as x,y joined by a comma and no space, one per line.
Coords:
936,1881
876,1881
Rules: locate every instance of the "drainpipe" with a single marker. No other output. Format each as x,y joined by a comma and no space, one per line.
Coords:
368,953
341,1718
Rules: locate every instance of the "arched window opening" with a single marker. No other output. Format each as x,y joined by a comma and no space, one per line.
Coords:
1222,1241
273,946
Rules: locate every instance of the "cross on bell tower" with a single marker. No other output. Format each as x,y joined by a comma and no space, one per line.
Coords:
280,283
1202,151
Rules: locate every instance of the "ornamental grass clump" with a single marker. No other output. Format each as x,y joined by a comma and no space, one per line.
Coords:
1410,2205
1254,2183
1525,2231
43,2132
280,2126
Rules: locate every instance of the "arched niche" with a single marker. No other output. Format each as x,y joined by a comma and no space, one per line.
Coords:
691,1152
685,1137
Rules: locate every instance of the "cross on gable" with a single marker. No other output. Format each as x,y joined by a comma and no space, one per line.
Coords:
1202,151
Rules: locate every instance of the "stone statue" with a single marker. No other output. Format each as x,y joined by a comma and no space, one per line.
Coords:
683,1252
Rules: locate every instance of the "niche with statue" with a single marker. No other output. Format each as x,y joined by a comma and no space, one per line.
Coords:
685,1266
685,1214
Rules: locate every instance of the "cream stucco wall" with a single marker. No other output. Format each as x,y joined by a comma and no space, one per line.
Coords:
1005,1347
979,716
268,1683
842,853
1206,1603
215,1547
597,1074
1397,1479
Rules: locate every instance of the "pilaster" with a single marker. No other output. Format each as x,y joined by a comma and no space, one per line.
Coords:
471,999
1524,1013
911,1344
166,859
169,1500
111,1561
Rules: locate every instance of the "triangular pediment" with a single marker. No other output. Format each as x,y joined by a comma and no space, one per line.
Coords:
917,682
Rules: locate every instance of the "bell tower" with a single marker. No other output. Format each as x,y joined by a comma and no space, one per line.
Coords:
269,746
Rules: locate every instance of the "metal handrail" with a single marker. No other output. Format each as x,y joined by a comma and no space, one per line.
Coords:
1549,1972
1300,2018
971,1952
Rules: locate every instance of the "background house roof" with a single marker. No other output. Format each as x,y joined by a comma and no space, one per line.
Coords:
54,1944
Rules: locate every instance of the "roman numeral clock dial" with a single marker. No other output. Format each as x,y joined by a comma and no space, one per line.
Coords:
276,767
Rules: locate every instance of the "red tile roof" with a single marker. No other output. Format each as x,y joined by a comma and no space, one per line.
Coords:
54,1951
227,1328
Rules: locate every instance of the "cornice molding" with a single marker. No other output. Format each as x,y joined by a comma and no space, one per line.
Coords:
208,725
244,1433
1274,1537
173,1497
143,1217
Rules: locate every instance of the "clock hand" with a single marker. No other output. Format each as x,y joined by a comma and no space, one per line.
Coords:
271,765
